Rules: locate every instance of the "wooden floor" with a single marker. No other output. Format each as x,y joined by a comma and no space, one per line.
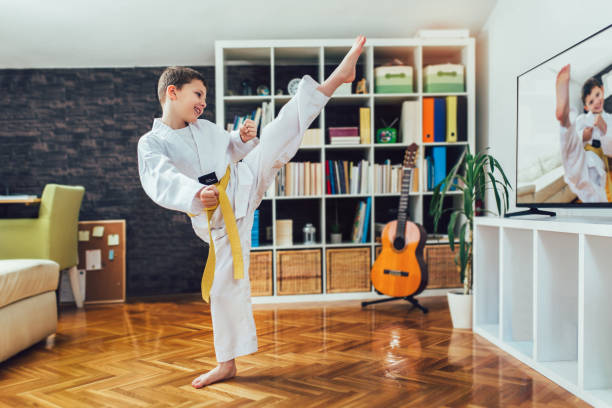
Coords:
310,355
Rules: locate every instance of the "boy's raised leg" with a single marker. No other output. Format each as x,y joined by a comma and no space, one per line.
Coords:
562,92
224,371
345,72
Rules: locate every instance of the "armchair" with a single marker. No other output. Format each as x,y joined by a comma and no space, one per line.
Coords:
53,235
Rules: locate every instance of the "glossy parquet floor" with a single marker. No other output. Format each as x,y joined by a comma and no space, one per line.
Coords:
310,355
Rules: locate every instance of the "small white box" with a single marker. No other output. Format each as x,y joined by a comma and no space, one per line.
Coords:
284,232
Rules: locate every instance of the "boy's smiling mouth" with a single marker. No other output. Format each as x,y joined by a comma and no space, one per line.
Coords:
198,110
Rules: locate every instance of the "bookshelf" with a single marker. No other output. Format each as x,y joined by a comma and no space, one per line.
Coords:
274,63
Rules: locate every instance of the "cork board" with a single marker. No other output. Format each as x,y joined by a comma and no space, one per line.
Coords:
102,255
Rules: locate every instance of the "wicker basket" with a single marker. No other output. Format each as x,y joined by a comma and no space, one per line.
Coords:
260,273
348,270
441,267
298,272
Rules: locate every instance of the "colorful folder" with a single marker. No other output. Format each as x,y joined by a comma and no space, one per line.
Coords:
439,164
462,119
428,120
439,120
451,119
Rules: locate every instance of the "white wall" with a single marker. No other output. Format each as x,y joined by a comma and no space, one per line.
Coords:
519,35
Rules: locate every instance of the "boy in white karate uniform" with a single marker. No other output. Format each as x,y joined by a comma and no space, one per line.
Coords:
182,152
593,125
586,173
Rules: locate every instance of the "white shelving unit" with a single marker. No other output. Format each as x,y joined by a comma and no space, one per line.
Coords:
269,60
542,293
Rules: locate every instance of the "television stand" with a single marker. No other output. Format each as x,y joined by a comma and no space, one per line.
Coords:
530,211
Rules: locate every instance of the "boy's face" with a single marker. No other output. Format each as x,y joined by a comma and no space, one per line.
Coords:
594,101
189,101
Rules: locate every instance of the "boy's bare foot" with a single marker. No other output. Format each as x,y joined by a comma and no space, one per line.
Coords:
562,91
224,371
345,72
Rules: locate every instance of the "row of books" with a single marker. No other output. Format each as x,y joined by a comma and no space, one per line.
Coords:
362,221
347,177
299,179
261,116
388,178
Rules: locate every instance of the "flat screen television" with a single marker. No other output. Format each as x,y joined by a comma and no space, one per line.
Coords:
563,156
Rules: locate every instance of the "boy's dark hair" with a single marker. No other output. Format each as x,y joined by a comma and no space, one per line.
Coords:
588,87
177,76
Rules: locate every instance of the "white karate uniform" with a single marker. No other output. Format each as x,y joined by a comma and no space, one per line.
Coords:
584,171
586,120
170,164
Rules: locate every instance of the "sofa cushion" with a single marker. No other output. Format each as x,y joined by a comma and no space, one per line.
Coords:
22,278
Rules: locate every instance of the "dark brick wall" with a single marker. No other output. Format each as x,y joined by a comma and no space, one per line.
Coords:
81,127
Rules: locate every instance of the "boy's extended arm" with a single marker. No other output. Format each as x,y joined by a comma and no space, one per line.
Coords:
163,183
237,149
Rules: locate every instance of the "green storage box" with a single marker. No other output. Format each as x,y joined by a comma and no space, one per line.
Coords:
444,78
393,79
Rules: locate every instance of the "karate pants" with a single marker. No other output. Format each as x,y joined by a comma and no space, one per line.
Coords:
230,299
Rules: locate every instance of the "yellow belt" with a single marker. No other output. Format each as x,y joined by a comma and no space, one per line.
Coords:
599,151
232,232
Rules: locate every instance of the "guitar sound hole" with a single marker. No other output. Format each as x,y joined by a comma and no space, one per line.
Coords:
398,243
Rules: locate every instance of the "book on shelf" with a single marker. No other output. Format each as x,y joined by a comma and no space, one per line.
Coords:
364,125
409,122
344,140
358,222
361,221
255,230
312,137
364,236
344,135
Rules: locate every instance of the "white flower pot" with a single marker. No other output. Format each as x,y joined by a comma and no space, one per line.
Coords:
460,306
336,238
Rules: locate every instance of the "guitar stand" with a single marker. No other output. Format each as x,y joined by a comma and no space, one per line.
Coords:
410,299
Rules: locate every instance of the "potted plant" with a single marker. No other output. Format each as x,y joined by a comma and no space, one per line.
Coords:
335,235
481,173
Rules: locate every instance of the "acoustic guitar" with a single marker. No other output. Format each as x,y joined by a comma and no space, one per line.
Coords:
399,269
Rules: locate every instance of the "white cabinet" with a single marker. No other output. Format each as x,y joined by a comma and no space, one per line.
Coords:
542,292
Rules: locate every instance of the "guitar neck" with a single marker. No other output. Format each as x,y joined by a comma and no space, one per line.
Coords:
402,211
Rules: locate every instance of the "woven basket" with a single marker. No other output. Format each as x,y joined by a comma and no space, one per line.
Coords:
348,270
441,267
260,273
298,272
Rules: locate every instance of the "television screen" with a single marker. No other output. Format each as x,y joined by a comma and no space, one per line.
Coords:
564,127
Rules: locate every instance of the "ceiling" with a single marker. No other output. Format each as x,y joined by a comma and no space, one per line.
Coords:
128,33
